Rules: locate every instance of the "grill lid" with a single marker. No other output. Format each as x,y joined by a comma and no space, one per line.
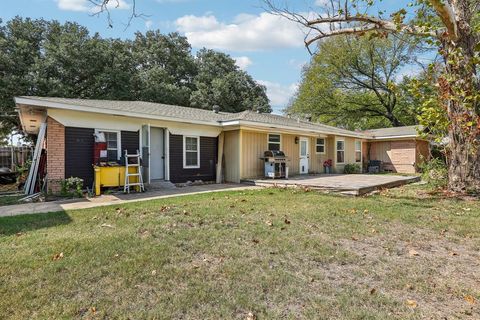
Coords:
274,154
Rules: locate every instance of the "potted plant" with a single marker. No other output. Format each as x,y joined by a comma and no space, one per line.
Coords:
327,166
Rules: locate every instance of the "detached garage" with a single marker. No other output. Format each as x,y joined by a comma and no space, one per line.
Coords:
400,149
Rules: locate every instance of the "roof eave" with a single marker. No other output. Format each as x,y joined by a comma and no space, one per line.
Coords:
65,106
276,126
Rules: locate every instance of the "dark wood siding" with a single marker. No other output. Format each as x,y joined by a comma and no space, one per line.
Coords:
208,160
130,141
79,154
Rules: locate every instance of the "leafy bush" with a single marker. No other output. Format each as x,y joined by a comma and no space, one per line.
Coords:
351,168
435,172
72,187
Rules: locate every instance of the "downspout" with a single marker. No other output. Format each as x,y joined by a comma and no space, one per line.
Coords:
221,139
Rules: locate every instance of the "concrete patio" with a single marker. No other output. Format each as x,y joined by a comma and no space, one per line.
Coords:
349,184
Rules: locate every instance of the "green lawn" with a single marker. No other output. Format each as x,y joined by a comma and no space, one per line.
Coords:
264,254
7,200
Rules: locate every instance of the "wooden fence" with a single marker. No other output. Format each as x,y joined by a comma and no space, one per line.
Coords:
13,157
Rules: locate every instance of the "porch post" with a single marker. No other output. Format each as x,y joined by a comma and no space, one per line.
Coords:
220,157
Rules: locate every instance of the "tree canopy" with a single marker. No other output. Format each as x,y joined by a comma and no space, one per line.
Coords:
49,58
355,82
453,27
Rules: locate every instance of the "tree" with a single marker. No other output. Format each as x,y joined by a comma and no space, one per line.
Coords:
164,68
48,58
354,82
453,26
220,82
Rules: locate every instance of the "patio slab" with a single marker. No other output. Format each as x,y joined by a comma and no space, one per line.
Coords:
349,184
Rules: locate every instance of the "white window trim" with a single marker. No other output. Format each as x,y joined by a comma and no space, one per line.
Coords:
336,151
361,152
279,143
185,153
324,145
119,140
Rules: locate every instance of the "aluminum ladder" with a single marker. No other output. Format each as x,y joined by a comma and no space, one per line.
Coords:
138,173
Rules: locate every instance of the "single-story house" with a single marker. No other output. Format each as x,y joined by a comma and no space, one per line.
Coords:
180,144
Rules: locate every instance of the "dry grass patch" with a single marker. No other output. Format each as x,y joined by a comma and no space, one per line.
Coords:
268,253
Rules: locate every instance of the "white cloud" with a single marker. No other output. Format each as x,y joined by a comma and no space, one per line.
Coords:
279,94
246,33
191,23
148,24
73,5
86,5
243,62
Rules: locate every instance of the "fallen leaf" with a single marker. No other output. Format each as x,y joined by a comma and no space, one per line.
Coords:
354,238
57,256
413,252
94,310
470,299
411,303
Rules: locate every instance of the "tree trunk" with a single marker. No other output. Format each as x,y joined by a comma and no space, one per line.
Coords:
459,89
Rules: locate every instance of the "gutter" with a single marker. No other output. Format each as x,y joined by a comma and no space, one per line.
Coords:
64,106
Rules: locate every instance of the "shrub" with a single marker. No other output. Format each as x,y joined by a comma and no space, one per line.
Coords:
435,172
72,187
351,168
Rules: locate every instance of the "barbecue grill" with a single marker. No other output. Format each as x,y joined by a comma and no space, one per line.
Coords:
275,163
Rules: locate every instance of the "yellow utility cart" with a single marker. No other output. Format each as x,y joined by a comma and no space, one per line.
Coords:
113,176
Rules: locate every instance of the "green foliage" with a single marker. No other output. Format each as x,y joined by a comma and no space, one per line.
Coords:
435,172
351,168
71,187
352,82
220,82
49,58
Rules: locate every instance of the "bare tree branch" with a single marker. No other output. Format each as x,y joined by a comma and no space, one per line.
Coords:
104,6
339,19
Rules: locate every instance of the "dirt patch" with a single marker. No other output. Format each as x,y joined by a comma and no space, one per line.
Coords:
426,271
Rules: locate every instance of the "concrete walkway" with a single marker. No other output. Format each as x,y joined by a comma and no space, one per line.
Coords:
349,184
106,200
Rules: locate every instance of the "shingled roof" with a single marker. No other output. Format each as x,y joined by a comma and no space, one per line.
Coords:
405,131
147,110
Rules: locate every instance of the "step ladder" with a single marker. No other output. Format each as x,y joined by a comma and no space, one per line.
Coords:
136,164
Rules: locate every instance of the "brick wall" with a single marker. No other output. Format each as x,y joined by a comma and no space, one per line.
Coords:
55,154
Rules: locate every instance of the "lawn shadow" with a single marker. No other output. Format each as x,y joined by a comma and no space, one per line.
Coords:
28,222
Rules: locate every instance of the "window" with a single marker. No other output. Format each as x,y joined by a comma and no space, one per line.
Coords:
191,152
274,142
320,146
112,138
340,151
358,151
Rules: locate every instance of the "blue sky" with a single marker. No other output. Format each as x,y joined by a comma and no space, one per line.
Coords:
269,48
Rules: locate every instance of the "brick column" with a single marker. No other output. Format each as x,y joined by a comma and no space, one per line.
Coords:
55,154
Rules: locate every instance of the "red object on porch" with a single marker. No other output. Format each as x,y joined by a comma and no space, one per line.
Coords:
98,146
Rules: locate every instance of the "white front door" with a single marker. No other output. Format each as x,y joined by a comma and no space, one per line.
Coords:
304,155
157,154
